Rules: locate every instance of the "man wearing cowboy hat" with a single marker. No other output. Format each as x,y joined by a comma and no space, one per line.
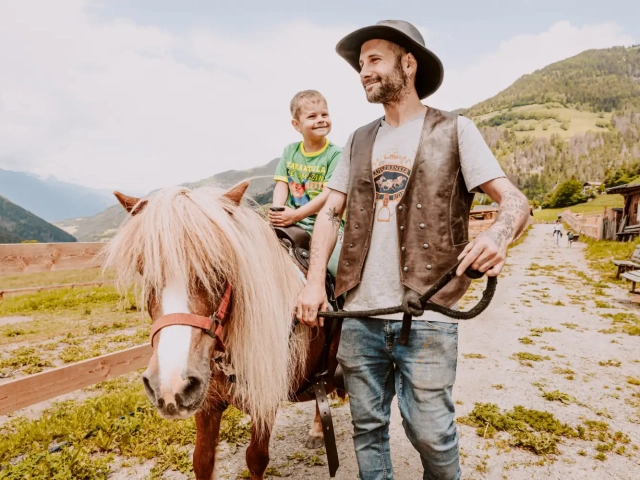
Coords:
407,182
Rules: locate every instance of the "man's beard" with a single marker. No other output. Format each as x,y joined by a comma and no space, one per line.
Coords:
391,89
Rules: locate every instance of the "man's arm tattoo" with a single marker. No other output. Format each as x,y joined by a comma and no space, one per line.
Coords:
334,217
514,208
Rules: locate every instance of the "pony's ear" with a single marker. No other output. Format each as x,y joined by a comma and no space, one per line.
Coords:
128,203
237,192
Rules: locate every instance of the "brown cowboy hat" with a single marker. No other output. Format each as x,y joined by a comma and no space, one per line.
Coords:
430,70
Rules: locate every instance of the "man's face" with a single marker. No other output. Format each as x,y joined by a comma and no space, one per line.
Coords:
314,121
382,73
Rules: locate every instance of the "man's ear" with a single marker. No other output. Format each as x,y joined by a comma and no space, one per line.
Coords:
237,192
128,203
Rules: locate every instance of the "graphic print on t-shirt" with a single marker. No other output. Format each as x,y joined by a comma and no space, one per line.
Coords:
390,174
299,195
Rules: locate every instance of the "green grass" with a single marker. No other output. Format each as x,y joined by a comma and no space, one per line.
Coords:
53,301
53,278
119,421
595,205
601,254
535,430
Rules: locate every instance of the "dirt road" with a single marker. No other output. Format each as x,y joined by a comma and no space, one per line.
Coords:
543,286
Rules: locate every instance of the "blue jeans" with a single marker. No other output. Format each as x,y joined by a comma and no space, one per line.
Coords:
376,367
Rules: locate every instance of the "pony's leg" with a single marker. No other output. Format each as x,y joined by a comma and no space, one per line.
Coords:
207,431
258,454
316,436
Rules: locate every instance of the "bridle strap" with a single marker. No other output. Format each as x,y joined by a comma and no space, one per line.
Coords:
187,319
212,326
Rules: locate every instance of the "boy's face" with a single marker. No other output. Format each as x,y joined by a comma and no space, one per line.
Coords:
314,122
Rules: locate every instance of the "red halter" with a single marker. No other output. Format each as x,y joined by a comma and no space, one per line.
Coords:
213,325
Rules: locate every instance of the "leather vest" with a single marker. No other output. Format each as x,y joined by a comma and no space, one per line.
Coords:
432,216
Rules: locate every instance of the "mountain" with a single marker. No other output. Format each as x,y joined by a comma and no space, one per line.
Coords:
8,237
579,117
52,199
102,227
17,224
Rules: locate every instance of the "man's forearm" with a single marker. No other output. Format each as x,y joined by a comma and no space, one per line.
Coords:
323,241
314,206
512,217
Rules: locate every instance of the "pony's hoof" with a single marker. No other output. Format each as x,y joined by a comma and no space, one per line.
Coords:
314,443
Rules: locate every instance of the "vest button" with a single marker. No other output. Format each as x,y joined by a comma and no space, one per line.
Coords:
425,245
361,208
406,269
403,249
419,206
356,226
402,228
422,225
428,267
351,245
346,264
400,207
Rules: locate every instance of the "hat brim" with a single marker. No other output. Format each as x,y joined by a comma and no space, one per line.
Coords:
430,70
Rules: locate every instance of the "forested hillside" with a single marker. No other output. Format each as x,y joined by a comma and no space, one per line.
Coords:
17,224
578,118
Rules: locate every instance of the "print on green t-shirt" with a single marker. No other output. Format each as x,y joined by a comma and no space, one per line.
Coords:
306,174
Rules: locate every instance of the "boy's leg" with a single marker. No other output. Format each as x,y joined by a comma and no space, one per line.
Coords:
425,374
369,381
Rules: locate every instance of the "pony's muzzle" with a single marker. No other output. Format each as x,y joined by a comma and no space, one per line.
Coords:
180,399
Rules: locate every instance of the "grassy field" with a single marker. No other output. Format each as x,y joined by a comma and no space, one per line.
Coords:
595,205
53,278
576,121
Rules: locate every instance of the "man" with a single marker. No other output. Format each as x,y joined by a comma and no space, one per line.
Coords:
405,181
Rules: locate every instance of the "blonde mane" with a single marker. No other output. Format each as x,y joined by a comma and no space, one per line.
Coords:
201,238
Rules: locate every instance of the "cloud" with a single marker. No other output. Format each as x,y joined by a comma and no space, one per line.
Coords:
524,54
121,105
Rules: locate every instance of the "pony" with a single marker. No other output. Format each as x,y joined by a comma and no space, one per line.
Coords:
193,253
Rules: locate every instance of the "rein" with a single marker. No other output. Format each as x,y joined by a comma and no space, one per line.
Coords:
480,307
213,325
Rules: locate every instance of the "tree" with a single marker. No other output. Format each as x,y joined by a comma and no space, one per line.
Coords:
566,194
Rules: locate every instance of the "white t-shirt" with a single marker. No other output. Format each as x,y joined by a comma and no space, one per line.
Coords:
394,152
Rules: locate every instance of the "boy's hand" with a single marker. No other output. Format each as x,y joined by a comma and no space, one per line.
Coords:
284,218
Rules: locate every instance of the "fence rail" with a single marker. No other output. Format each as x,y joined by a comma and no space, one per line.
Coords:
48,257
39,387
596,225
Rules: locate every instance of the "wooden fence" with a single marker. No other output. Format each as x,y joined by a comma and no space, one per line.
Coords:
47,257
32,389
598,225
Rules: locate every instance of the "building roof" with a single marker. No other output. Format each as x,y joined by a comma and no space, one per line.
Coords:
484,208
627,189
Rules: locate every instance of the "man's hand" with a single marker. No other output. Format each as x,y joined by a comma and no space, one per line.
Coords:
411,303
286,217
311,300
485,253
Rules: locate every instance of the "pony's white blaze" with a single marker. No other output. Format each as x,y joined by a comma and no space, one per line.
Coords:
175,341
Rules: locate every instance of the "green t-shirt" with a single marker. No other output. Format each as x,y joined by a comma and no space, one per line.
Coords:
306,174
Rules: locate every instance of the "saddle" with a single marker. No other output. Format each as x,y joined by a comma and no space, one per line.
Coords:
298,242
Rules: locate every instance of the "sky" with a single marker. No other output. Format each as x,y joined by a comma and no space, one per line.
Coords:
141,94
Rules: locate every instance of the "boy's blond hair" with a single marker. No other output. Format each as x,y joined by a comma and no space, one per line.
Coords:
312,95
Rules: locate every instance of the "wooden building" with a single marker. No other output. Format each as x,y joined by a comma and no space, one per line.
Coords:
629,225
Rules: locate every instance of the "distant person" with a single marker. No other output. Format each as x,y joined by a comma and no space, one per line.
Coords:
305,168
557,232
571,237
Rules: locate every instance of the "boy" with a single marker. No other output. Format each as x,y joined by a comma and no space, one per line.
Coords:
305,168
